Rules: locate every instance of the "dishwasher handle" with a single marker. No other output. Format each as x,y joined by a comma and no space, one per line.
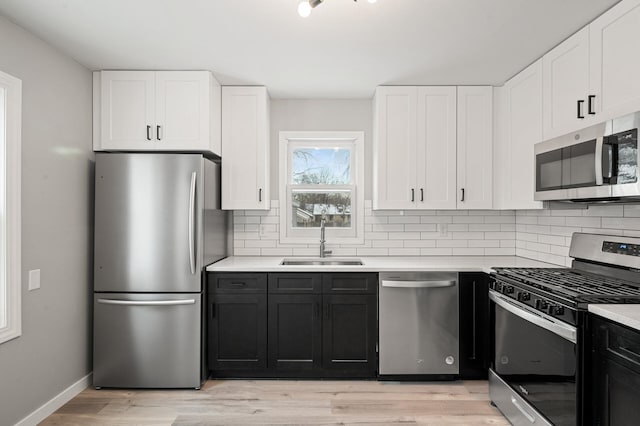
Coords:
419,284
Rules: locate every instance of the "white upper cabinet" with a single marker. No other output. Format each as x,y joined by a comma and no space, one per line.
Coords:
436,148
245,148
593,75
615,64
566,85
518,129
156,111
475,147
394,148
414,148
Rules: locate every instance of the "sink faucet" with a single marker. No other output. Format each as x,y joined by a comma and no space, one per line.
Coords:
323,219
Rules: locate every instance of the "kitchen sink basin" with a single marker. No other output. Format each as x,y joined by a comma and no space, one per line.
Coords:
322,262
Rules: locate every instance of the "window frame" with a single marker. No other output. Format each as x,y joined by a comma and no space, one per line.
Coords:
352,139
10,250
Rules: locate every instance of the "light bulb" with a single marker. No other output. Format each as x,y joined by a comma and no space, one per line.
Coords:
304,9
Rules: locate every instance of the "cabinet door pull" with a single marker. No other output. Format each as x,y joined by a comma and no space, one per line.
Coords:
158,129
259,195
413,195
148,133
238,284
474,335
580,102
590,104
421,194
462,198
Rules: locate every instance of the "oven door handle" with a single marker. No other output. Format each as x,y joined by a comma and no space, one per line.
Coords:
565,331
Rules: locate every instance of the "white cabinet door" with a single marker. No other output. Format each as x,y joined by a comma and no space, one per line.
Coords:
523,120
127,110
245,148
394,148
566,86
183,110
436,148
475,143
615,63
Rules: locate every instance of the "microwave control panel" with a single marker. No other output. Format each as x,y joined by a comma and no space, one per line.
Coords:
621,248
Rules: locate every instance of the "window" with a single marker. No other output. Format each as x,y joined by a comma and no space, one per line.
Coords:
10,282
321,176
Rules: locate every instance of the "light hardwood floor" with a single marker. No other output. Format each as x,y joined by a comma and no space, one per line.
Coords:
281,402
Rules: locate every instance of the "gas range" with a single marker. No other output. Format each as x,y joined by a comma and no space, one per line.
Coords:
560,292
607,271
540,340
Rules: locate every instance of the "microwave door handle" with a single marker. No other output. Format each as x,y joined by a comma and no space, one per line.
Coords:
598,165
608,160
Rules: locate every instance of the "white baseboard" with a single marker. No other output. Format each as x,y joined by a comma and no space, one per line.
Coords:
49,407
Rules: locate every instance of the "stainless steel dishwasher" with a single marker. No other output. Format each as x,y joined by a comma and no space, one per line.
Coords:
418,323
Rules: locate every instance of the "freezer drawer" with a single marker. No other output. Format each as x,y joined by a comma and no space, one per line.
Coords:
147,340
419,323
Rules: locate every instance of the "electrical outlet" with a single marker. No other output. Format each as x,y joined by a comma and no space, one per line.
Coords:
34,279
261,230
442,229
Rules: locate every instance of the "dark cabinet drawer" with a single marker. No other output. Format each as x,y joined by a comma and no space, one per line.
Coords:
292,283
345,283
620,344
237,283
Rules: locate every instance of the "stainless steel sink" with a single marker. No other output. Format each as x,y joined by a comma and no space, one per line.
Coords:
322,262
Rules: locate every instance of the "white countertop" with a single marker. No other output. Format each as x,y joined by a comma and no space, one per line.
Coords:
628,315
380,264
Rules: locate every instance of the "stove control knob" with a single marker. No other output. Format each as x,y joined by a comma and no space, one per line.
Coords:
541,304
551,309
507,289
523,296
558,310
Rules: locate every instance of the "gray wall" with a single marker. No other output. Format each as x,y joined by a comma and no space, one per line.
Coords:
54,349
324,115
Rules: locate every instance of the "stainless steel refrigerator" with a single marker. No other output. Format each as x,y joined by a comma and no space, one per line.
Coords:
158,223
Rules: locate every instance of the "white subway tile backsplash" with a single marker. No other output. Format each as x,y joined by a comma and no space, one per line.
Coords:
583,221
538,234
404,219
548,236
468,251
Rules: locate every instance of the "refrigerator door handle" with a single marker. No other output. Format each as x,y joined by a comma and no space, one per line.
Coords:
147,302
192,207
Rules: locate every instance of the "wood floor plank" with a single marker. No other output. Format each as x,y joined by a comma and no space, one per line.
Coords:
286,402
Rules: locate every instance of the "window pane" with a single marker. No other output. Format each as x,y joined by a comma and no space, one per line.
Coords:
321,166
308,207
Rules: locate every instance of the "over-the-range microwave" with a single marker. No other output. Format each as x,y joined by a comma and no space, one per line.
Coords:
597,164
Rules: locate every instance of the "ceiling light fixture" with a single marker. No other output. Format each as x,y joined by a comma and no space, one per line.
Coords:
306,6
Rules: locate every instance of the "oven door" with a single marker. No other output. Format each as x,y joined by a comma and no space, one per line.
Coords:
536,356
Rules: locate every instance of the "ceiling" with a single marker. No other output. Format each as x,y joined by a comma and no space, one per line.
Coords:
343,50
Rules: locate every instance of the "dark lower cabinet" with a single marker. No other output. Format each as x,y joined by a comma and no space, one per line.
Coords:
237,330
349,334
293,325
616,374
474,325
294,329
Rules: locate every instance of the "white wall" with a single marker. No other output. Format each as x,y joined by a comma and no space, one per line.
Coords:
546,234
54,349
